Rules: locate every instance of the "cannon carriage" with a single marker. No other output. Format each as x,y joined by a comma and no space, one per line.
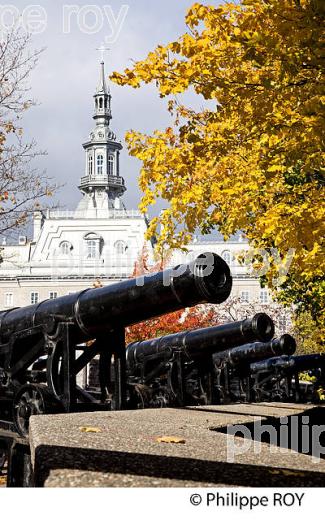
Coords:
278,378
233,372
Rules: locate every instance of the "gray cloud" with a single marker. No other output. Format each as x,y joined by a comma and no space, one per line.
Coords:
65,79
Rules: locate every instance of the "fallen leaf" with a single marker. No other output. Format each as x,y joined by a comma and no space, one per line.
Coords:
172,440
89,429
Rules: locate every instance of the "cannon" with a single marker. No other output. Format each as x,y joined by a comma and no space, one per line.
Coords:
44,347
233,366
177,369
277,378
302,363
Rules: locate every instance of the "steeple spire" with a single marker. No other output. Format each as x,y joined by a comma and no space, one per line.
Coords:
102,86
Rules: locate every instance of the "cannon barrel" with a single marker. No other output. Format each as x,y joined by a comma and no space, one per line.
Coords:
202,342
289,363
94,311
308,362
253,352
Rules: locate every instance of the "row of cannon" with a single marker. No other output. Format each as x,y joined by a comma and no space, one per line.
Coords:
45,347
192,368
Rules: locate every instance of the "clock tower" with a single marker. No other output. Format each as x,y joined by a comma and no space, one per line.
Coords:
102,185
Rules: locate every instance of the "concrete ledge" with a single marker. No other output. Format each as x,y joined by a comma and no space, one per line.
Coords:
125,451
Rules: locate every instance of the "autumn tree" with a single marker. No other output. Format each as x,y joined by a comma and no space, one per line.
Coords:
188,319
252,158
22,186
203,315
309,338
209,315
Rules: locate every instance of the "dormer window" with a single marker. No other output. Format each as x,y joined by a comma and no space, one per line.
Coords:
120,248
226,255
92,249
111,164
100,164
65,248
94,245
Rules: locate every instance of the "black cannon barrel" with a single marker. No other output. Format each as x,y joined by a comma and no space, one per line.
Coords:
308,362
272,364
252,352
290,363
195,343
205,279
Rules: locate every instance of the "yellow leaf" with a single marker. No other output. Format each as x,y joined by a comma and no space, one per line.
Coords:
171,440
89,429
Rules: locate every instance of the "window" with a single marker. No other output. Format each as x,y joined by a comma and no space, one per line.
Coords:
53,295
93,245
244,296
120,247
34,297
264,296
65,248
9,300
226,255
100,102
111,165
100,164
283,323
90,165
92,249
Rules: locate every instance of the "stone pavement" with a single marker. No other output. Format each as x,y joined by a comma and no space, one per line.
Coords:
121,449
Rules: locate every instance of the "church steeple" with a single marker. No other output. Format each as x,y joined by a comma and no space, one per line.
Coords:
102,186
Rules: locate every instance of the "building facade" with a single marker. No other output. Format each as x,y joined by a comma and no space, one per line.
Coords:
100,239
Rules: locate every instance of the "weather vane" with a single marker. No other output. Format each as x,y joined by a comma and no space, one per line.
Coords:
102,49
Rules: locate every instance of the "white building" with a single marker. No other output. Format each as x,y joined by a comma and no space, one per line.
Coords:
102,240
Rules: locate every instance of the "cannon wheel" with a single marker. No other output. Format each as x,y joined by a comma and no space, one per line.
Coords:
31,399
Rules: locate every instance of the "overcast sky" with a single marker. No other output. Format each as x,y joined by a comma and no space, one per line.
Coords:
65,79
